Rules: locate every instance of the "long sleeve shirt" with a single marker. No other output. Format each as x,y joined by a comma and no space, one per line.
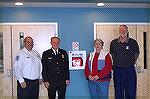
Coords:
55,66
27,65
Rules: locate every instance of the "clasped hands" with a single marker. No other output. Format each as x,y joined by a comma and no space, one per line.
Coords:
93,78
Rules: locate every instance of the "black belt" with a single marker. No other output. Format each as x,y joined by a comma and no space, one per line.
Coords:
124,67
30,80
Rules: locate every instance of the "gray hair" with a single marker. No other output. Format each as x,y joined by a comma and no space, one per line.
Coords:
126,28
99,40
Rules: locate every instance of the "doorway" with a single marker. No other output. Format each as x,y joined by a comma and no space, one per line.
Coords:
13,34
109,31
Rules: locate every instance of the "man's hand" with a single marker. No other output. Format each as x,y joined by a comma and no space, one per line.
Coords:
91,77
96,78
67,82
46,84
23,85
40,81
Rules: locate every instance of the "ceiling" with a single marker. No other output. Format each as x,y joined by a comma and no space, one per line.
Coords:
82,5
79,3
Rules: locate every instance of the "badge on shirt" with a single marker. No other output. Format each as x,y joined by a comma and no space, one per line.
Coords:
49,57
127,47
17,58
63,56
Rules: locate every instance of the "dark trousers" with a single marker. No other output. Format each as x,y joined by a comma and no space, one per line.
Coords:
60,88
125,82
30,92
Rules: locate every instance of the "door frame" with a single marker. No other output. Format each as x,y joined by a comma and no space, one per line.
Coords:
34,23
101,23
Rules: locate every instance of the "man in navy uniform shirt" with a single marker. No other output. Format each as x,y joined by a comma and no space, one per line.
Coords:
27,69
55,71
124,51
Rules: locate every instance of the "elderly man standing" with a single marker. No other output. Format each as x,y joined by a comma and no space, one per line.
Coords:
27,68
55,70
124,51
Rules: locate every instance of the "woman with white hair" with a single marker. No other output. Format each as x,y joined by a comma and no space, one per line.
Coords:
98,71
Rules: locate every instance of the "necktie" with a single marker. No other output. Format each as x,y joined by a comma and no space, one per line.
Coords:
55,52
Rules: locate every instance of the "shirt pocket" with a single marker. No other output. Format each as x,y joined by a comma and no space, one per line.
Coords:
27,60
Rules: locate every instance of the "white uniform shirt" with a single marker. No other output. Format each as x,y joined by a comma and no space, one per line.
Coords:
27,65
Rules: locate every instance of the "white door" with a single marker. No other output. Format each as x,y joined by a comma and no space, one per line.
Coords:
41,34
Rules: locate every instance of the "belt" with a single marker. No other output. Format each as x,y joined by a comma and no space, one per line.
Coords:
124,67
30,80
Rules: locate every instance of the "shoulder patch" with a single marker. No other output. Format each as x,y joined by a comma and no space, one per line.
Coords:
17,58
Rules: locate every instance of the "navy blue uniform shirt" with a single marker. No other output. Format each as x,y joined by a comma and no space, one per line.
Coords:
55,67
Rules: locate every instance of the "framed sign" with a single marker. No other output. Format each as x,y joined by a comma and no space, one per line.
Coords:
77,60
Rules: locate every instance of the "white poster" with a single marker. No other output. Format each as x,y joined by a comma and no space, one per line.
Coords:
77,60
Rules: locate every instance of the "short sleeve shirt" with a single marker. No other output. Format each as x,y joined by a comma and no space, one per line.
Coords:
124,53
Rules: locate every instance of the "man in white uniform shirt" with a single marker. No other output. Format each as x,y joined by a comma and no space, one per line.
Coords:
27,68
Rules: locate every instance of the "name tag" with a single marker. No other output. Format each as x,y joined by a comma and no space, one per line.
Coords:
49,57
63,56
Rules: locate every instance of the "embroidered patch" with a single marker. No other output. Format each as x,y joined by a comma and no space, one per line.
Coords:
127,47
17,58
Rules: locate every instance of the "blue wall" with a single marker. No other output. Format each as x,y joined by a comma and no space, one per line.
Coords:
75,24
